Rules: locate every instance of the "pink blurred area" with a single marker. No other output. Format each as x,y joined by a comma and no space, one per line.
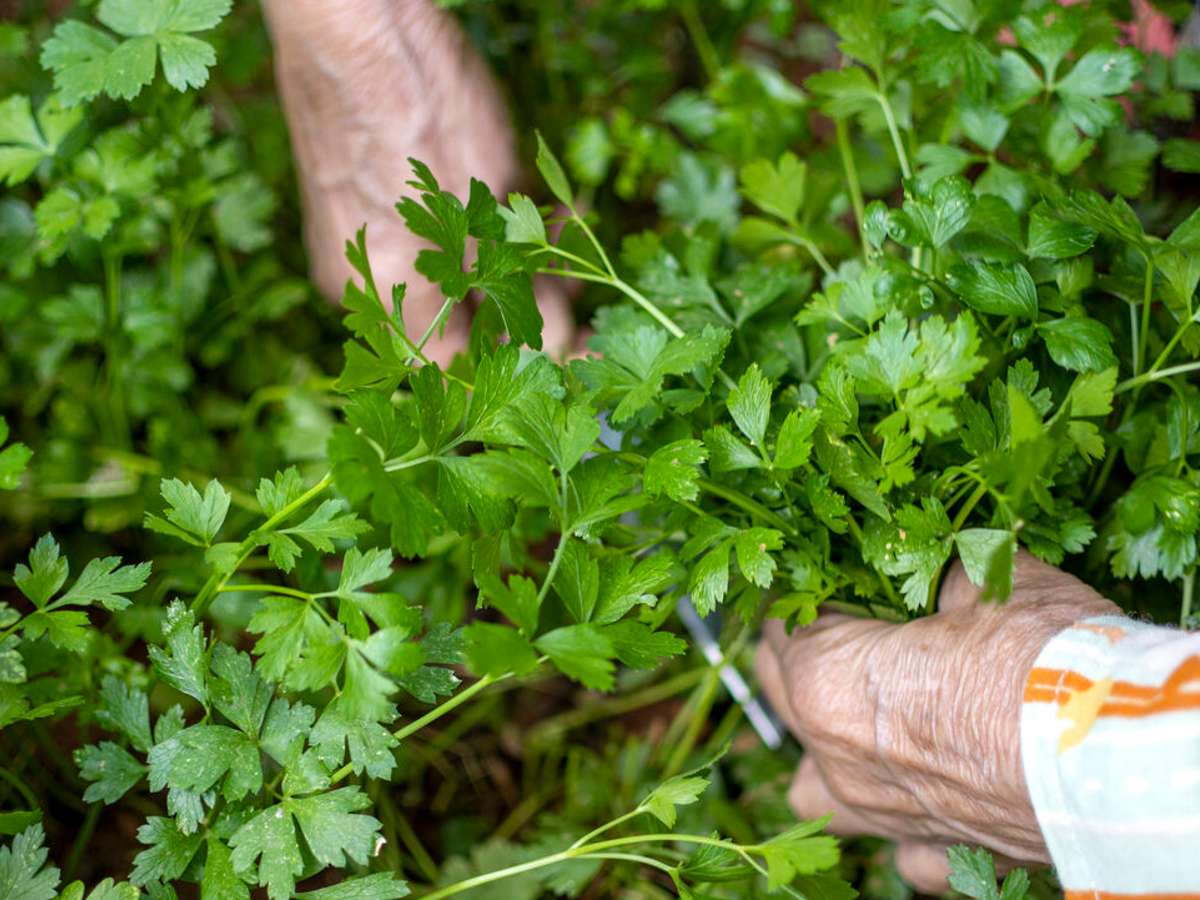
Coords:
1150,31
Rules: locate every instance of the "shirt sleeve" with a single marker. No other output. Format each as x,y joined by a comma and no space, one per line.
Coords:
1110,743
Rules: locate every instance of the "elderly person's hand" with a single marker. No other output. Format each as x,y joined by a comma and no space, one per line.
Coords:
912,731
365,85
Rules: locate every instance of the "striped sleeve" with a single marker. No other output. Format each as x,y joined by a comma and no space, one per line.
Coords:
1110,743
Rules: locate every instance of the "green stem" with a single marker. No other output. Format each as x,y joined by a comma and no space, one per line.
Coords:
447,305
1188,588
399,465
697,719
408,836
216,581
555,562
894,131
576,853
114,386
1158,375
449,706
570,257
979,493
655,313
636,858
83,837
595,242
265,589
699,35
856,533
1147,291
21,787
607,826
618,283
852,182
814,251
500,875
617,706
751,506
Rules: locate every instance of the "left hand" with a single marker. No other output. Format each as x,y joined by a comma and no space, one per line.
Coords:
366,84
912,731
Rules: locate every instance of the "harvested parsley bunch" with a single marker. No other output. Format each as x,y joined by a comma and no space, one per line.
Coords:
952,313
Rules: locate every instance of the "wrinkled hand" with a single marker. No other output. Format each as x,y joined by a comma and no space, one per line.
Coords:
366,84
912,731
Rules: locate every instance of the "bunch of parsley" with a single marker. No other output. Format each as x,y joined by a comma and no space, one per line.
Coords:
876,332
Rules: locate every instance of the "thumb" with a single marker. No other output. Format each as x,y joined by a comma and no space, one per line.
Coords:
924,866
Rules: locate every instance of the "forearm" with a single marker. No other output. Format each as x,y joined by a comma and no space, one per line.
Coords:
1110,738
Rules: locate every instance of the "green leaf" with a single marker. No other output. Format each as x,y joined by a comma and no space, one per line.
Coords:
1179,155
559,434
552,172
269,837
637,362
709,580
369,744
1079,343
973,873
168,854
776,189
26,141
581,652
220,881
191,516
23,869
750,405
936,217
524,222
845,92
793,446
87,61
206,757
987,555
1092,393
753,550
999,289
335,831
13,460
577,580
379,886
497,650
674,469
1098,74
728,454
182,664
678,791
518,600
125,710
624,585
639,647
45,574
1053,238
797,852
111,769
103,581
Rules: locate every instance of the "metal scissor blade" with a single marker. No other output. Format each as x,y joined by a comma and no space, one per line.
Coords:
763,721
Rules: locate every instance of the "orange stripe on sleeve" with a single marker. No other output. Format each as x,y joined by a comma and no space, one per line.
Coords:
1106,895
1180,691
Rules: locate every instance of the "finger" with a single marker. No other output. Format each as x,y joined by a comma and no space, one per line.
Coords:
774,687
810,798
924,866
558,325
957,591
